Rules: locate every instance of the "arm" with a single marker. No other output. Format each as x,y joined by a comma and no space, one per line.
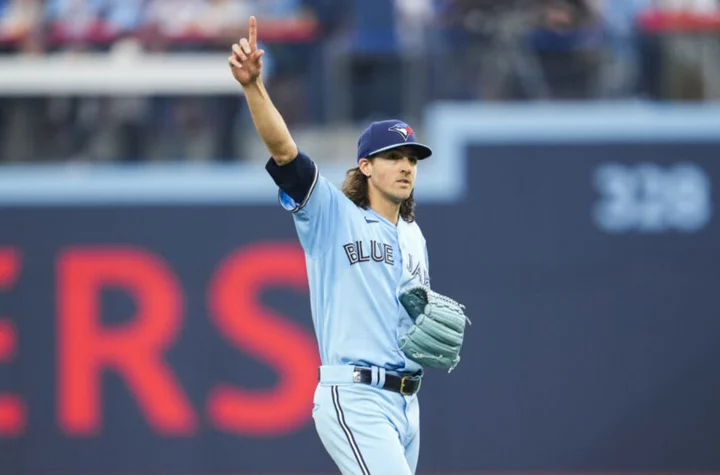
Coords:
314,201
246,66
269,124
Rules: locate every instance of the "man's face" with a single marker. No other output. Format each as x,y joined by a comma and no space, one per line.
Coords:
392,173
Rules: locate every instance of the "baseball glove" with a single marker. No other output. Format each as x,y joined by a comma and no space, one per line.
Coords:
438,328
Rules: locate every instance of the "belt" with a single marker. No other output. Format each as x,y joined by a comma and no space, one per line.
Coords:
407,385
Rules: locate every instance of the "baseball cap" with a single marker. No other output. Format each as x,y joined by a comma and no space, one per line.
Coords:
386,135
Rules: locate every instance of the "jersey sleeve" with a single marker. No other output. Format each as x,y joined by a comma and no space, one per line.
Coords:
312,199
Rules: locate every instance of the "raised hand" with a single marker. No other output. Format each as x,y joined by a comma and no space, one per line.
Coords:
245,60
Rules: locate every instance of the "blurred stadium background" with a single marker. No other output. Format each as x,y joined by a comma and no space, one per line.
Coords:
153,305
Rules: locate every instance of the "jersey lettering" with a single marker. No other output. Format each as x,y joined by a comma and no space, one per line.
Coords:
416,270
379,252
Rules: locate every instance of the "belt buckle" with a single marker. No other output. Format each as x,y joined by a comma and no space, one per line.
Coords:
402,385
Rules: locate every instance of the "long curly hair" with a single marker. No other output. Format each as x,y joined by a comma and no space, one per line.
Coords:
355,187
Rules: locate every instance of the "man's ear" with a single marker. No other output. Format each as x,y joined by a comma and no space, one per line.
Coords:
365,167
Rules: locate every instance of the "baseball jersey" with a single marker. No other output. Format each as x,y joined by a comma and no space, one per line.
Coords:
357,262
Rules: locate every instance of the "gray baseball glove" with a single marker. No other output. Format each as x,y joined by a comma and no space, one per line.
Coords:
438,328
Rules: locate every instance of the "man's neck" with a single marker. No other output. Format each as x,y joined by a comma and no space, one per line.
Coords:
386,208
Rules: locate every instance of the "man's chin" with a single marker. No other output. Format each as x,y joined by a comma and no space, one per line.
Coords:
400,197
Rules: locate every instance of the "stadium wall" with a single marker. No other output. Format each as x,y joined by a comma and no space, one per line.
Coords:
170,332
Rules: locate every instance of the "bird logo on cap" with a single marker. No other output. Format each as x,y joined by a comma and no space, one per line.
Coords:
403,129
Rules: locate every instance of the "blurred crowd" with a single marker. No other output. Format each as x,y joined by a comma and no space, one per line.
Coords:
339,61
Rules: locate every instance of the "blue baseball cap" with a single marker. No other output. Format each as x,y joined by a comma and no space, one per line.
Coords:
386,135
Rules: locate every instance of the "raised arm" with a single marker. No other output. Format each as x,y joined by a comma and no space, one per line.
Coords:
246,66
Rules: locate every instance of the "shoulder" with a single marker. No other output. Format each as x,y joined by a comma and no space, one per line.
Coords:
413,228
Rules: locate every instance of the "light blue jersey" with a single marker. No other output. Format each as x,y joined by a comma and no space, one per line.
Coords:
358,263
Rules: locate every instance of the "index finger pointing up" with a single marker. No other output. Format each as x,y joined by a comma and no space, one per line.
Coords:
252,35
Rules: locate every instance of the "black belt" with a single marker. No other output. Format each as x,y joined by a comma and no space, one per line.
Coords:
407,385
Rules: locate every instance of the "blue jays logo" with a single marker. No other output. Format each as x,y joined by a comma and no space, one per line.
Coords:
402,129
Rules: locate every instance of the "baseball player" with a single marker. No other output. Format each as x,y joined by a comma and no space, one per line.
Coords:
376,321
